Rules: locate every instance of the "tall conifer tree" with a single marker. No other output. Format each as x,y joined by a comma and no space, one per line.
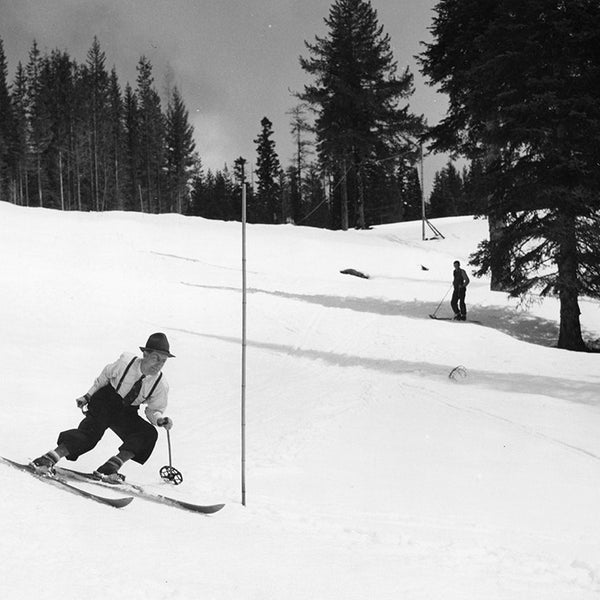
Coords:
301,130
98,98
152,134
268,199
133,151
40,126
6,130
523,79
116,143
20,135
180,146
357,96
58,82
446,196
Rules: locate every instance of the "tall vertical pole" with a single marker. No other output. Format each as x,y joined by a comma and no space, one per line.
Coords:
423,218
244,344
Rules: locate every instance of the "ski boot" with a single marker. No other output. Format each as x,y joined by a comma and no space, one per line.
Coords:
109,471
44,465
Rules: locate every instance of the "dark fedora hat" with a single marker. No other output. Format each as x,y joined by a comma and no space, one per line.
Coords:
157,342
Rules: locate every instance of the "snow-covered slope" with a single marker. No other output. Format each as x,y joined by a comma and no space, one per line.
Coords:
370,473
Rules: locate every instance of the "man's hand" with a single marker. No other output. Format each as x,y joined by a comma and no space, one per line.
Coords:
82,402
164,422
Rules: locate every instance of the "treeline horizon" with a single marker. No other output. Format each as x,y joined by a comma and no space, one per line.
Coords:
72,138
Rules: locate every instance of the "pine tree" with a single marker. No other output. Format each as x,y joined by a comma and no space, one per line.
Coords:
38,117
223,196
447,194
268,199
474,188
152,135
523,80
6,127
294,196
300,130
412,195
58,83
385,189
216,196
201,188
316,206
7,134
98,90
80,148
180,146
115,143
240,176
239,170
20,135
133,151
357,97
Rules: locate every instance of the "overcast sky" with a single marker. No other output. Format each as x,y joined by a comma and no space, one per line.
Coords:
235,61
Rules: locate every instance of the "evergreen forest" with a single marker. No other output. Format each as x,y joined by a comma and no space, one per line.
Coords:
73,137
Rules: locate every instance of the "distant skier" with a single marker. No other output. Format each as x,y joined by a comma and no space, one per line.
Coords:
460,283
112,403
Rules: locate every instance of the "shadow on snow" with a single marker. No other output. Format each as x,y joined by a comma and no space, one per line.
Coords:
517,324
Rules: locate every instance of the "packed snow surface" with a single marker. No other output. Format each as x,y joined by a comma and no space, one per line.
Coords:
370,474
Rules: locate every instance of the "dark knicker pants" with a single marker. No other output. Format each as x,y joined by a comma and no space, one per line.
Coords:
106,411
458,301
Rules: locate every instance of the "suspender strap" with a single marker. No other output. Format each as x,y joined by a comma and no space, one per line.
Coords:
125,373
154,387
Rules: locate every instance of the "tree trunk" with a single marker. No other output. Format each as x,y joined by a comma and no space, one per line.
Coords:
39,180
499,261
78,178
344,198
95,176
92,203
299,166
148,187
62,191
21,193
360,209
118,201
569,337
26,186
104,203
12,190
158,191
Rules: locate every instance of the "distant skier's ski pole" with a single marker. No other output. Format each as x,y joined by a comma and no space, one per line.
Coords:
438,306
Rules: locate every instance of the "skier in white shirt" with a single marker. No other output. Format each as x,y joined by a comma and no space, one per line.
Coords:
112,403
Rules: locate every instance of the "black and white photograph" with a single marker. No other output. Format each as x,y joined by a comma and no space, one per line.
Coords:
300,299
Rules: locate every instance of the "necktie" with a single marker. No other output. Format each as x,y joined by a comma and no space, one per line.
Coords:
134,392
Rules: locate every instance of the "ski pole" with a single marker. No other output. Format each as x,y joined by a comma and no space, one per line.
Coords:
169,445
170,473
438,306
